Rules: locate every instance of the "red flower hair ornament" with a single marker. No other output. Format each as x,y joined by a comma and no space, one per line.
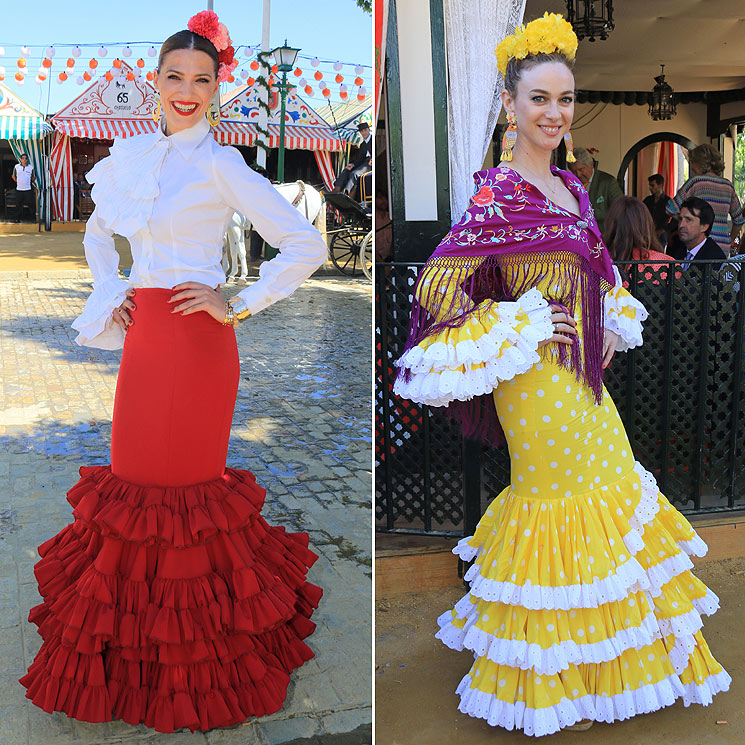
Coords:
208,25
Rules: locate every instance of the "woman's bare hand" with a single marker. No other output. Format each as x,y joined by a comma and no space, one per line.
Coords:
121,314
193,297
610,343
565,327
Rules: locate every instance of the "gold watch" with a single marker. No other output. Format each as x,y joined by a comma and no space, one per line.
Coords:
240,311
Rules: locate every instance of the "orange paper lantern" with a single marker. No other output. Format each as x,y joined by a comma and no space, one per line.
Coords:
93,64
140,62
117,63
254,65
231,78
150,76
46,63
344,95
326,92
360,97
19,77
21,62
318,75
130,76
250,81
70,62
339,78
108,76
63,76
86,75
298,72
42,76
308,90
359,81
275,69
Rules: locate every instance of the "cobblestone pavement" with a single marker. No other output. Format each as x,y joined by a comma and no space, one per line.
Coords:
302,425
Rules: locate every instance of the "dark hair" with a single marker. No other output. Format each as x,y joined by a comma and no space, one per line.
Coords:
629,227
658,178
516,67
188,40
701,209
24,155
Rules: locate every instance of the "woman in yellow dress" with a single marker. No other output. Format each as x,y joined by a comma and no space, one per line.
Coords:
582,606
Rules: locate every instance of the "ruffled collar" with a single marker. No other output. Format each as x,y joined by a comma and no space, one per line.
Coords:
187,140
126,184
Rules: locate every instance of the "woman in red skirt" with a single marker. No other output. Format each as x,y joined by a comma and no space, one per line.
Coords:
169,600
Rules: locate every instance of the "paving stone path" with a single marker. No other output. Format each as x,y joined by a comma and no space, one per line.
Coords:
302,424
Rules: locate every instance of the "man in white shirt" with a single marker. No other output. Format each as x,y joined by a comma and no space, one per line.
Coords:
23,175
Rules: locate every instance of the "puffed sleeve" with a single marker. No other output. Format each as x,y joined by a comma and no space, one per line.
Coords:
301,247
624,315
95,325
495,342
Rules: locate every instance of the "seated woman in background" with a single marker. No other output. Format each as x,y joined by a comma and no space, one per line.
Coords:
629,235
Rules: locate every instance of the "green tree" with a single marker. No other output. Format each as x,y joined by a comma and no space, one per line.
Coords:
739,169
366,5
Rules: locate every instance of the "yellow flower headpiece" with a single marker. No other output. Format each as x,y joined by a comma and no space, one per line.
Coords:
552,33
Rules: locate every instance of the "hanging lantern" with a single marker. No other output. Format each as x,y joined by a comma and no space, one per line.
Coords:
244,74
150,76
302,82
19,77
87,75
70,62
127,51
117,63
231,78
248,51
140,62
2,51
46,62
343,95
79,80
102,51
318,75
62,76
358,81
49,52
338,66
315,62
591,18
662,104
76,51
326,92
130,76
254,65
25,51
152,52
339,78
321,85
21,62
297,72
358,70
108,76
250,82
308,90
93,64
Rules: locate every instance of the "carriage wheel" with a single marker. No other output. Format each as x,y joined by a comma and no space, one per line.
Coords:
345,252
366,255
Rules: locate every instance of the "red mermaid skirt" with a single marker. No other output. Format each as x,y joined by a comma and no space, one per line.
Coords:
169,600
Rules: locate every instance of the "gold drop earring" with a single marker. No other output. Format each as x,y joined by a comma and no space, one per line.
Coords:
509,138
213,110
156,108
570,148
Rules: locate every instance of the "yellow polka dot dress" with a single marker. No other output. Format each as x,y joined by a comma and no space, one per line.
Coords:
582,604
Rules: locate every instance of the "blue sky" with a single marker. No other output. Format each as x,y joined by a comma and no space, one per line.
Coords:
330,29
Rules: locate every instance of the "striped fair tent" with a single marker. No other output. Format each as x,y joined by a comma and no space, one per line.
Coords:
26,131
105,110
304,128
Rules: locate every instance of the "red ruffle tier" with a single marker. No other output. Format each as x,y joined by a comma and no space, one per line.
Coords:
179,607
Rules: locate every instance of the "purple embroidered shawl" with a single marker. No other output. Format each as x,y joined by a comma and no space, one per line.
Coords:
509,239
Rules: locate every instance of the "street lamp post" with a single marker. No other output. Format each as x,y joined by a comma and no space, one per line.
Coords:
285,60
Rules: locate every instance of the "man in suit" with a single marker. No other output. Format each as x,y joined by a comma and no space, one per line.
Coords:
602,188
362,164
696,221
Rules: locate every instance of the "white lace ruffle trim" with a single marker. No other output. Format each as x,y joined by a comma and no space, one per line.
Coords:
546,721
95,325
544,660
434,373
629,329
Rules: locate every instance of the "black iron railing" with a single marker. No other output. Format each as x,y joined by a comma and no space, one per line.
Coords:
680,397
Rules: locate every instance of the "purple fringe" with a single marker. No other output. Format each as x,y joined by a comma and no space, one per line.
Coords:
448,302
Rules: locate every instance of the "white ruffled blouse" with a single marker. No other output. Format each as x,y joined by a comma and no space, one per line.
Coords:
172,197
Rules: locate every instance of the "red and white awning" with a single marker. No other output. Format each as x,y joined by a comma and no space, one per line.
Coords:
104,129
296,137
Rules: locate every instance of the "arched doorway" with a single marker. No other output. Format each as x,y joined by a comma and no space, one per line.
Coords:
661,152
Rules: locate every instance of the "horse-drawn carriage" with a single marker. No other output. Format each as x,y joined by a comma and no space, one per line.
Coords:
349,228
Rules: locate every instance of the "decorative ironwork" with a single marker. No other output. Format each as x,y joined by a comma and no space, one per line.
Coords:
681,398
662,104
591,18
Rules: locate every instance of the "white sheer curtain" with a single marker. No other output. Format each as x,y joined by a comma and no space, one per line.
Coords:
473,29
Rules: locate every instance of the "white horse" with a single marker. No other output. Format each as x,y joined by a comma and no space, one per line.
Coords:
303,197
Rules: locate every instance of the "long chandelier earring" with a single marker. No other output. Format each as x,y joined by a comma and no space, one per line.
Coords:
213,111
156,108
509,138
570,147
